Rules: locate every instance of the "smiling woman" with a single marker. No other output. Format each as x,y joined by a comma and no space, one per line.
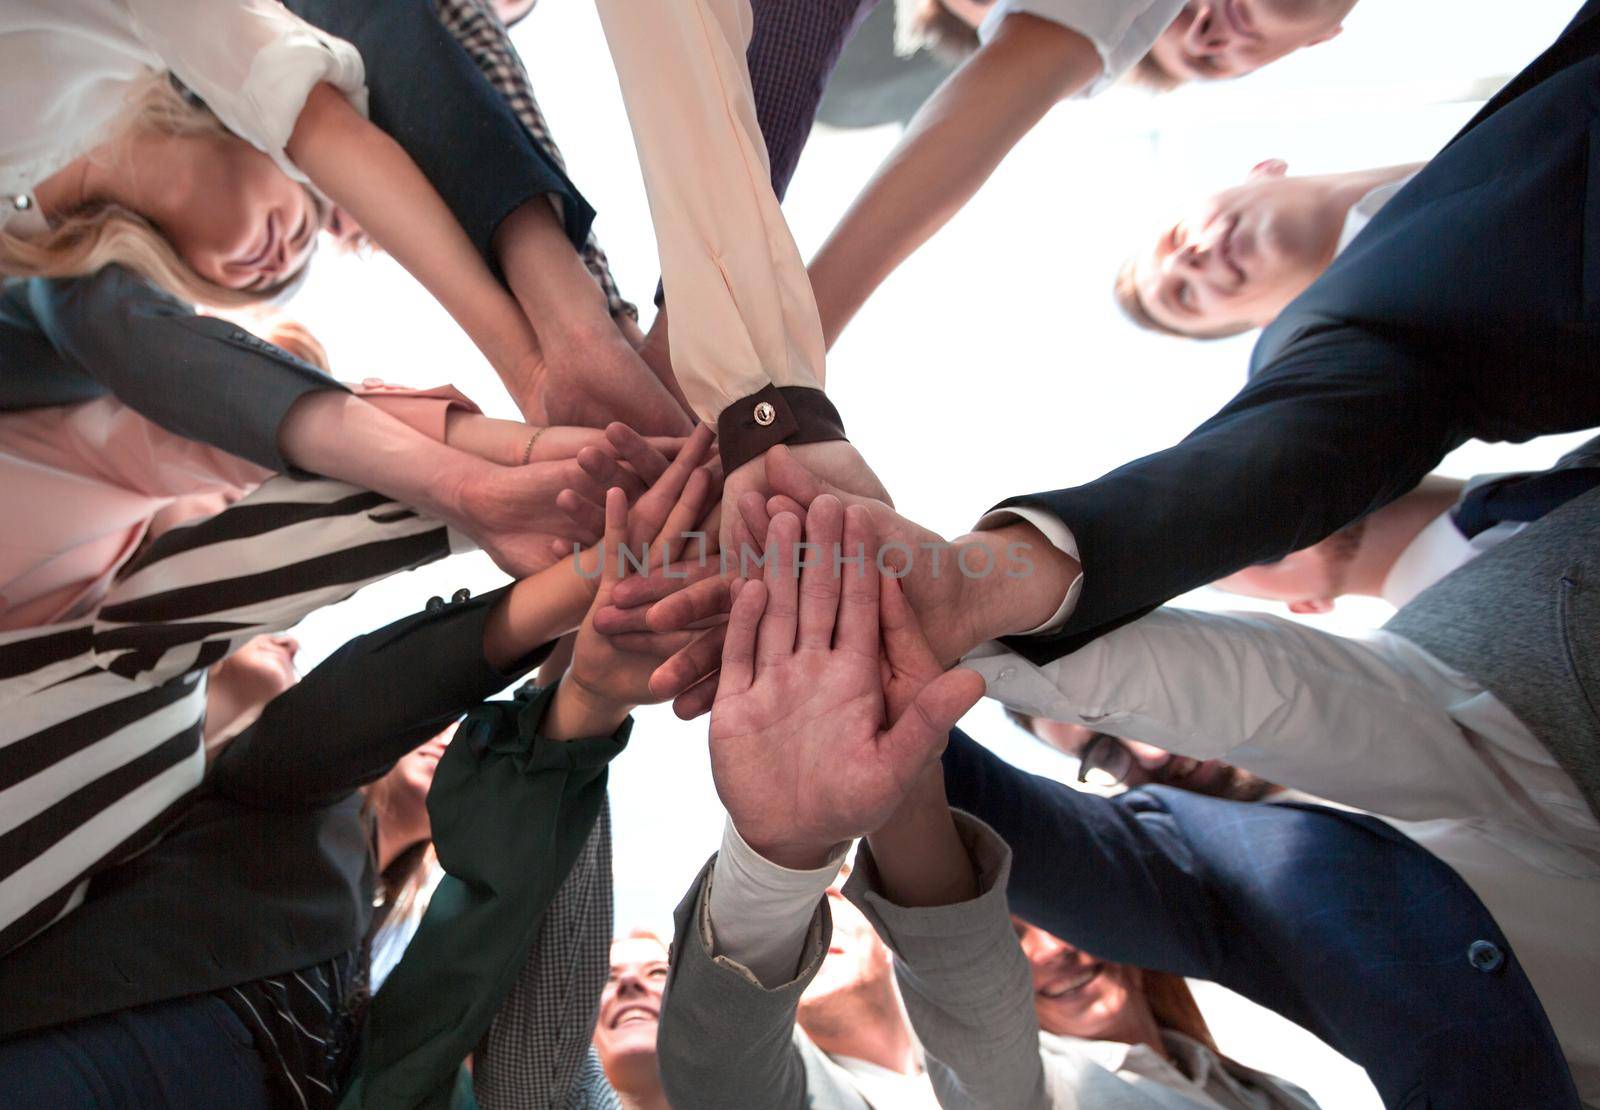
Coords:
630,1015
178,198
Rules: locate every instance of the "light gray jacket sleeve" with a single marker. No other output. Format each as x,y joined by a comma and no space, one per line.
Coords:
965,981
728,1042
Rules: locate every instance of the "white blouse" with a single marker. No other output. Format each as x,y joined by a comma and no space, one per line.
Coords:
66,68
1122,31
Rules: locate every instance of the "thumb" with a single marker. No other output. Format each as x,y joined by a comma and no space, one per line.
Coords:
787,474
919,735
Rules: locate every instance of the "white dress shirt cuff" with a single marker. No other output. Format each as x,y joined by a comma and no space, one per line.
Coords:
758,912
1061,537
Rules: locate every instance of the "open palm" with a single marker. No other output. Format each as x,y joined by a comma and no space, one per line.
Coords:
801,752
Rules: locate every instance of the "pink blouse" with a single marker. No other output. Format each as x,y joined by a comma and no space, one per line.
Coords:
82,487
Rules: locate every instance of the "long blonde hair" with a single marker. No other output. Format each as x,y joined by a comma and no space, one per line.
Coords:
101,233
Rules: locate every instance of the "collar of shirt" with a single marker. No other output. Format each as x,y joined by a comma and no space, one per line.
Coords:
884,1088
1189,1068
1438,549
1363,210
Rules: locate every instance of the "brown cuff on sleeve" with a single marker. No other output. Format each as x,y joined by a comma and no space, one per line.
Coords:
777,414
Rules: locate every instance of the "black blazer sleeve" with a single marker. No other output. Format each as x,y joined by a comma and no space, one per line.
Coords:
197,376
1340,424
369,703
1118,881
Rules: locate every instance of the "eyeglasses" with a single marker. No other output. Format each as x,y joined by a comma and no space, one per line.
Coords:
1105,758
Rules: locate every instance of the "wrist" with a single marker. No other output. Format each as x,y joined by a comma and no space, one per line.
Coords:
790,854
578,712
1028,580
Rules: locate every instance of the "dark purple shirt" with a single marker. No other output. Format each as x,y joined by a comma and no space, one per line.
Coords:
793,48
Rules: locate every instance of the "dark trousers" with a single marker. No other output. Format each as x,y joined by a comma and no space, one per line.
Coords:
191,1052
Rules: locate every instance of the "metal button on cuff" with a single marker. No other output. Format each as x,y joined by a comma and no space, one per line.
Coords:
765,414
1485,955
460,595
434,604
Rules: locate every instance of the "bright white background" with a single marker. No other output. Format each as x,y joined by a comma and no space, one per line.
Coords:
992,363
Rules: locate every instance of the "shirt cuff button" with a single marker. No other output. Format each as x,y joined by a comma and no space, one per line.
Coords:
765,414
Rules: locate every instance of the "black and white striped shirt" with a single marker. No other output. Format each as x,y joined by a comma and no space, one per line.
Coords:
101,719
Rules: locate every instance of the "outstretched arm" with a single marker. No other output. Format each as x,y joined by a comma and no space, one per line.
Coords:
951,147
1115,880
1252,484
746,342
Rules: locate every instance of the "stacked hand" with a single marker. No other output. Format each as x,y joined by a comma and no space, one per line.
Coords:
989,583
518,514
828,706
609,675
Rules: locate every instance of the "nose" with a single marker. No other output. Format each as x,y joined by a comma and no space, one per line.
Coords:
1045,950
1208,33
631,983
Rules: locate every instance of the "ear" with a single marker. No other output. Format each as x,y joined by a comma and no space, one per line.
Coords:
1312,605
1269,167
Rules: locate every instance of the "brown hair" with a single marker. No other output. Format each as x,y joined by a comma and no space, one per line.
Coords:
296,338
400,884
1173,1006
1125,291
100,233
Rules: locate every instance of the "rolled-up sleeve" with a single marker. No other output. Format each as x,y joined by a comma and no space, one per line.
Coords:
252,61
1121,31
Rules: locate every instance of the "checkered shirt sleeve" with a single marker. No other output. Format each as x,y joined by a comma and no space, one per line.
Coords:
794,46
537,1053
474,25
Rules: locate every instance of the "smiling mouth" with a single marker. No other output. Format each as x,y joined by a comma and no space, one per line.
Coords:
1075,984
634,1015
271,240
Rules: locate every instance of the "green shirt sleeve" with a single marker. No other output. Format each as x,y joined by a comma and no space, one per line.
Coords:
511,810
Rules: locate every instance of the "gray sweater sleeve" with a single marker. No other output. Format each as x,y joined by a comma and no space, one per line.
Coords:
728,1042
966,984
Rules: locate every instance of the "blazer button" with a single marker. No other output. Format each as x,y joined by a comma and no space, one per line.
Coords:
434,604
460,595
1485,955
765,414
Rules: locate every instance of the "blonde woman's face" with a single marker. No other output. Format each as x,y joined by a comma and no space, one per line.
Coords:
245,224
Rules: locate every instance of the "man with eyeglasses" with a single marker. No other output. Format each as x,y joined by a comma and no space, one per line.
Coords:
1106,761
1455,725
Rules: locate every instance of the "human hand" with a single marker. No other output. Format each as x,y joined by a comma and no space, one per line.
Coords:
986,584
609,675
836,461
802,752
512,512
506,442
596,379
656,351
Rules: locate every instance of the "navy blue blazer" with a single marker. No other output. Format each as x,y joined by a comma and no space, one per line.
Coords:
1334,920
1468,308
